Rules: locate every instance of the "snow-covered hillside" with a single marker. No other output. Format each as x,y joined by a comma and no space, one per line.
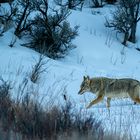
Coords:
99,52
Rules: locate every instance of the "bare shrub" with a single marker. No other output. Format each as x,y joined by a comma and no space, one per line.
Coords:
52,34
6,17
22,20
97,3
125,19
13,41
71,4
111,1
121,22
38,69
6,1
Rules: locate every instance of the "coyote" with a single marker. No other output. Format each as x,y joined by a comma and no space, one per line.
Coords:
111,88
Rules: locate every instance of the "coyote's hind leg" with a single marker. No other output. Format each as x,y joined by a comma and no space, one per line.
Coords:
108,102
98,99
137,100
135,103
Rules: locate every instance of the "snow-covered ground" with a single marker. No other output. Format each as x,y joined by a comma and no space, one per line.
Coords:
99,53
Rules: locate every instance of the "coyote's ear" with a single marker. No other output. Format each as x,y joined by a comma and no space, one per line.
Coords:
88,77
84,77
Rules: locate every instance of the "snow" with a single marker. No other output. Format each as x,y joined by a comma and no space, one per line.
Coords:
98,53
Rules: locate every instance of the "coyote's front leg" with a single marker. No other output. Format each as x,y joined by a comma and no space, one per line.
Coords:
98,99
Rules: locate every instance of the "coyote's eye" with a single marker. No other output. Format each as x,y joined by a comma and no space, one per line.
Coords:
84,85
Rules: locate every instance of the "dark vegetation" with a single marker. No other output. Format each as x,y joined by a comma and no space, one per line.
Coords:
28,119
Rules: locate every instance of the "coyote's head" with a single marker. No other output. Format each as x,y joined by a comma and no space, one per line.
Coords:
85,86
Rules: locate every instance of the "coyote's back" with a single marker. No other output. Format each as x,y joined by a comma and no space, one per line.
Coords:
111,88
